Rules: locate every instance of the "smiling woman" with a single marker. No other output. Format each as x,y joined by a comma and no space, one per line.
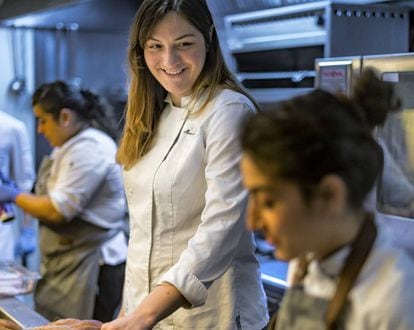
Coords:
189,254
175,59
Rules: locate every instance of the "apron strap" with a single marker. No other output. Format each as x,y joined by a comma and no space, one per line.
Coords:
360,250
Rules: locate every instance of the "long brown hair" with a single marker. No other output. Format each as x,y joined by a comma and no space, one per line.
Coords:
146,95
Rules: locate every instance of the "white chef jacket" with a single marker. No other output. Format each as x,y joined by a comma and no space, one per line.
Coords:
382,297
86,182
186,204
16,163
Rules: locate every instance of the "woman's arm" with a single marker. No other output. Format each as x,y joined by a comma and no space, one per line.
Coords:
40,207
161,302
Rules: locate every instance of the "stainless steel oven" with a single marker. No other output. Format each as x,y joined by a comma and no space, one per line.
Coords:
394,197
395,193
273,51
337,74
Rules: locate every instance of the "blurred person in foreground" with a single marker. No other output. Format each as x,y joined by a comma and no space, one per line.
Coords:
309,164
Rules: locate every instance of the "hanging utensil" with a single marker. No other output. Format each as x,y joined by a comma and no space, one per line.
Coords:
72,44
17,85
58,50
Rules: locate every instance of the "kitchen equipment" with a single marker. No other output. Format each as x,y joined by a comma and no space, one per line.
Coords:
273,50
65,45
337,74
16,279
72,44
394,195
18,84
14,310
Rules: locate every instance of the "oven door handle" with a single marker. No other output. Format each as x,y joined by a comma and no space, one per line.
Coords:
294,76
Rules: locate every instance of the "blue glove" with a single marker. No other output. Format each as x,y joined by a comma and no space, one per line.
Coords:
27,242
5,180
8,193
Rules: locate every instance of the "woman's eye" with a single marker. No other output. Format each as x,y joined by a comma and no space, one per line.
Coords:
185,44
153,46
268,203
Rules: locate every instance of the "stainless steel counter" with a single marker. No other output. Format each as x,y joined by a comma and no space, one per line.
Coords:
14,310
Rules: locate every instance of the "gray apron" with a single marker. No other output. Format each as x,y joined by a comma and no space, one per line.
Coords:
300,311
70,255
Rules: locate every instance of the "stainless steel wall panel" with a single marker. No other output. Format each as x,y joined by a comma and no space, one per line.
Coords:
367,30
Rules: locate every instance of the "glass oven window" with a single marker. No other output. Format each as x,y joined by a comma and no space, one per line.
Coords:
395,194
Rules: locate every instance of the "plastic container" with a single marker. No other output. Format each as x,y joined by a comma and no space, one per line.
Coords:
16,279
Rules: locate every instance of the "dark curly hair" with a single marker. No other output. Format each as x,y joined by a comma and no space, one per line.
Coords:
317,134
89,106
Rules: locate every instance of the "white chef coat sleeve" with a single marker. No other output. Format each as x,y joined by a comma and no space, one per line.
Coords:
22,170
81,170
212,249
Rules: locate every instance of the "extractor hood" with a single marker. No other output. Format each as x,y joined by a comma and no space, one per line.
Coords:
92,15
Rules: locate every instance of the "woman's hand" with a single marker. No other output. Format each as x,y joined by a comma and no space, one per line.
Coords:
71,324
163,300
8,194
9,325
130,322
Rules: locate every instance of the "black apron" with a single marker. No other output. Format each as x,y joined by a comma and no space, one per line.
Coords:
301,311
70,255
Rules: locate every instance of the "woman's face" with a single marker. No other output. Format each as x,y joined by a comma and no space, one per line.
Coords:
175,54
277,208
53,130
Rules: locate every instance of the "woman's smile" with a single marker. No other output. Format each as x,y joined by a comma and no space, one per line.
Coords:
175,54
